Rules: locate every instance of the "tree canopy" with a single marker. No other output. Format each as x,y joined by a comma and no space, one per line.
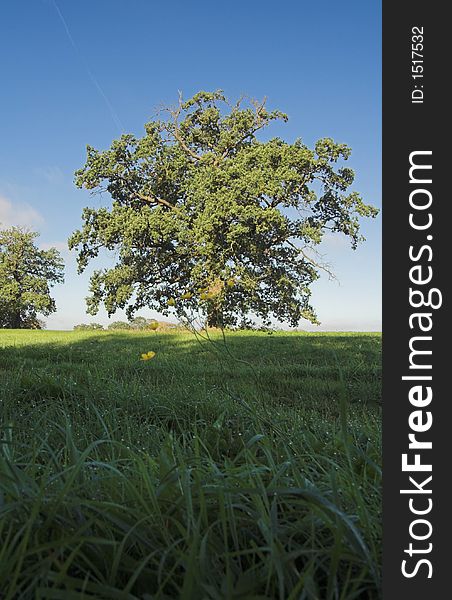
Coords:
205,216
26,276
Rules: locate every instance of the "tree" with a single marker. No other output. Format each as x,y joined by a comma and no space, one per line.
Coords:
26,276
88,327
205,216
139,323
143,323
119,325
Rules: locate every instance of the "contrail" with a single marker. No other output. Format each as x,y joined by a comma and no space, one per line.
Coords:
114,116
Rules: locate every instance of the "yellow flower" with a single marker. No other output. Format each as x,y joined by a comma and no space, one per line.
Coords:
171,302
230,282
186,296
148,355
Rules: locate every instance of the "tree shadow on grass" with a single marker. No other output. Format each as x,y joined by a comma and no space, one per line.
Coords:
281,371
284,364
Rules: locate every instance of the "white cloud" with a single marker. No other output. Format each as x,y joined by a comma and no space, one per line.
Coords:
18,214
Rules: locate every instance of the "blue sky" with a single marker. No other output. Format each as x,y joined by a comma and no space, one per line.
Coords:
76,73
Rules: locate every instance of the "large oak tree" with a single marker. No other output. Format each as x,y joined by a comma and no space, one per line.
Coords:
205,216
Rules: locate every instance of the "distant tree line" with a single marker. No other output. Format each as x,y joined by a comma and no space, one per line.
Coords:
137,323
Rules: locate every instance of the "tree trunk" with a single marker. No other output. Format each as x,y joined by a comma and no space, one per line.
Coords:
16,321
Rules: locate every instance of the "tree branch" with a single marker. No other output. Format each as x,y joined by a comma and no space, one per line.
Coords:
154,200
175,114
260,123
150,199
311,261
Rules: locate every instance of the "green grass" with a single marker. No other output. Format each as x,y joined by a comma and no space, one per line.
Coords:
245,471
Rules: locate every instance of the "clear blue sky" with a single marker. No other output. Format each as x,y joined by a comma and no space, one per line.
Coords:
75,73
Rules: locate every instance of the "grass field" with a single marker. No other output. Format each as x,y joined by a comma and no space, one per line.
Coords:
246,470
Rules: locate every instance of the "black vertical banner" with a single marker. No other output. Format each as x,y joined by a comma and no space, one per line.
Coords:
417,428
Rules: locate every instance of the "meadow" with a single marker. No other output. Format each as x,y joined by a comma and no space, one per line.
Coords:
244,467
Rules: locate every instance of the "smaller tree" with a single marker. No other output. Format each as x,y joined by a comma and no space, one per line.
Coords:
119,325
26,276
139,323
88,327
